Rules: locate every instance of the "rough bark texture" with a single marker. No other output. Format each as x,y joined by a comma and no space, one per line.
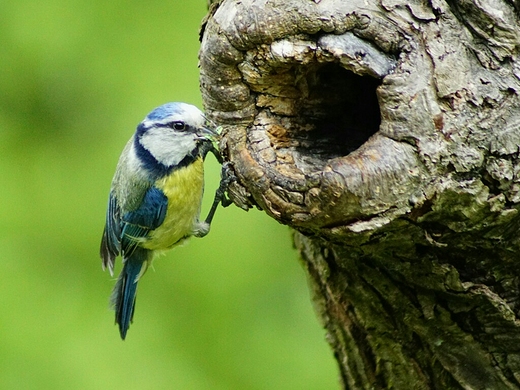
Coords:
387,135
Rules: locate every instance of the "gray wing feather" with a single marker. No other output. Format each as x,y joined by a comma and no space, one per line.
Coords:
111,241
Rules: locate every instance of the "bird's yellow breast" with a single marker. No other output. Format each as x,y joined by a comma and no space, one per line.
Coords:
183,188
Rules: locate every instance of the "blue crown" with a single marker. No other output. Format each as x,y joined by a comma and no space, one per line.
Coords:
164,111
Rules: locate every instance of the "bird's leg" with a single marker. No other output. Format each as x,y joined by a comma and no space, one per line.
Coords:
226,177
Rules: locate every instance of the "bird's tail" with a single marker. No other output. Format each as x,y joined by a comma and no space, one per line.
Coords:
123,295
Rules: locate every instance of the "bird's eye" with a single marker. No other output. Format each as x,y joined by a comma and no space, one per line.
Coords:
179,126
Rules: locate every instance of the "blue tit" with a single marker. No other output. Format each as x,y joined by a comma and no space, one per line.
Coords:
155,197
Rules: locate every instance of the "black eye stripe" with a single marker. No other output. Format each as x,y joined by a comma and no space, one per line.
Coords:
177,125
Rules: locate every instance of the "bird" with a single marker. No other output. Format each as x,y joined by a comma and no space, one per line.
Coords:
155,197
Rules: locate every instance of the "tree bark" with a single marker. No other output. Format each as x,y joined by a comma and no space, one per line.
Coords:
387,134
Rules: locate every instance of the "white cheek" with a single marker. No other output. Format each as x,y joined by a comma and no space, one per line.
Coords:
167,147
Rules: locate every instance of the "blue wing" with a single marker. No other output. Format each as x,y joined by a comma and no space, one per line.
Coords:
123,232
138,223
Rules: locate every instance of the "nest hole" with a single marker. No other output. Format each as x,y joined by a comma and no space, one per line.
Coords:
339,113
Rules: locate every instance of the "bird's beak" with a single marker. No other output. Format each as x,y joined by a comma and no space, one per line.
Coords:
207,132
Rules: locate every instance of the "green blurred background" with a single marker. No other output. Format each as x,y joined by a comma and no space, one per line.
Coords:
230,311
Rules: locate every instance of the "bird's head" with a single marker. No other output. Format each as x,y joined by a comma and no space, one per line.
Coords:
172,135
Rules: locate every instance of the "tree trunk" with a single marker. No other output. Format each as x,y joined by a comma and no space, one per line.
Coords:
387,135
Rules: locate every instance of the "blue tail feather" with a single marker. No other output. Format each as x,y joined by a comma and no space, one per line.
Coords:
123,296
